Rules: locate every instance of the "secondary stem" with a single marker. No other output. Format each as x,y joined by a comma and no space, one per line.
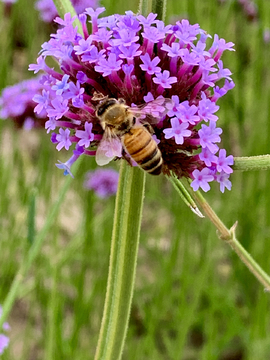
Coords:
229,236
261,162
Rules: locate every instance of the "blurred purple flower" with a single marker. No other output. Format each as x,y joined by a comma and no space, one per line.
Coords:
250,9
266,36
4,340
102,181
18,102
140,60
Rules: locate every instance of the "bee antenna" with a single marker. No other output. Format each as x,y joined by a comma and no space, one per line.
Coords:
97,96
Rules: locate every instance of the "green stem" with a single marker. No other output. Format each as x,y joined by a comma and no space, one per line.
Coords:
229,236
65,6
123,259
156,6
261,162
145,7
52,314
159,8
185,195
34,250
32,216
124,249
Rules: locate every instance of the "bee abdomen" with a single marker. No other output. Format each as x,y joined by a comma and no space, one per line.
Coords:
154,165
144,150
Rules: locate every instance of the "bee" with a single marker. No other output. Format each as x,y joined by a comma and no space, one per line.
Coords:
123,128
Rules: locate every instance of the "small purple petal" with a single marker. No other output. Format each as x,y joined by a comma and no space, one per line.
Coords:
222,162
178,131
86,136
201,179
63,139
164,79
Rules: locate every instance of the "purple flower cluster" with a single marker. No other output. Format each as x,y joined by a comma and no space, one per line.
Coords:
102,181
16,103
48,11
4,340
140,60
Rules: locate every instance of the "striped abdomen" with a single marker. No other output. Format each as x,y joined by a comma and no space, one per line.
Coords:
143,149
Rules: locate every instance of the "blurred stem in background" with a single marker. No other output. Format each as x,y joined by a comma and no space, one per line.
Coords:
35,249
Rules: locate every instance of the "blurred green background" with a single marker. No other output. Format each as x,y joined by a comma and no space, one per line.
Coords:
193,299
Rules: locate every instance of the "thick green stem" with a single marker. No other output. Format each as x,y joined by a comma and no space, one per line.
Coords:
159,8
261,162
65,6
123,259
156,6
124,247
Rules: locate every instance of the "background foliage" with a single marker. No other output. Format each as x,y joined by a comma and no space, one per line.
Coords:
193,298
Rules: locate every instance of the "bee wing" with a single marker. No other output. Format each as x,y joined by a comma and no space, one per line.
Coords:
101,158
154,110
109,147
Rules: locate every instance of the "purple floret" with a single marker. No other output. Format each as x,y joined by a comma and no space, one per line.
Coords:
178,131
85,136
201,179
63,139
150,65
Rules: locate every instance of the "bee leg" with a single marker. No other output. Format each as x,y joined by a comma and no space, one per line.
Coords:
121,101
97,96
127,158
149,128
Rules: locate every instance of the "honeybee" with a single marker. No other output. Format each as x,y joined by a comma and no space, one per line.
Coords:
123,128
